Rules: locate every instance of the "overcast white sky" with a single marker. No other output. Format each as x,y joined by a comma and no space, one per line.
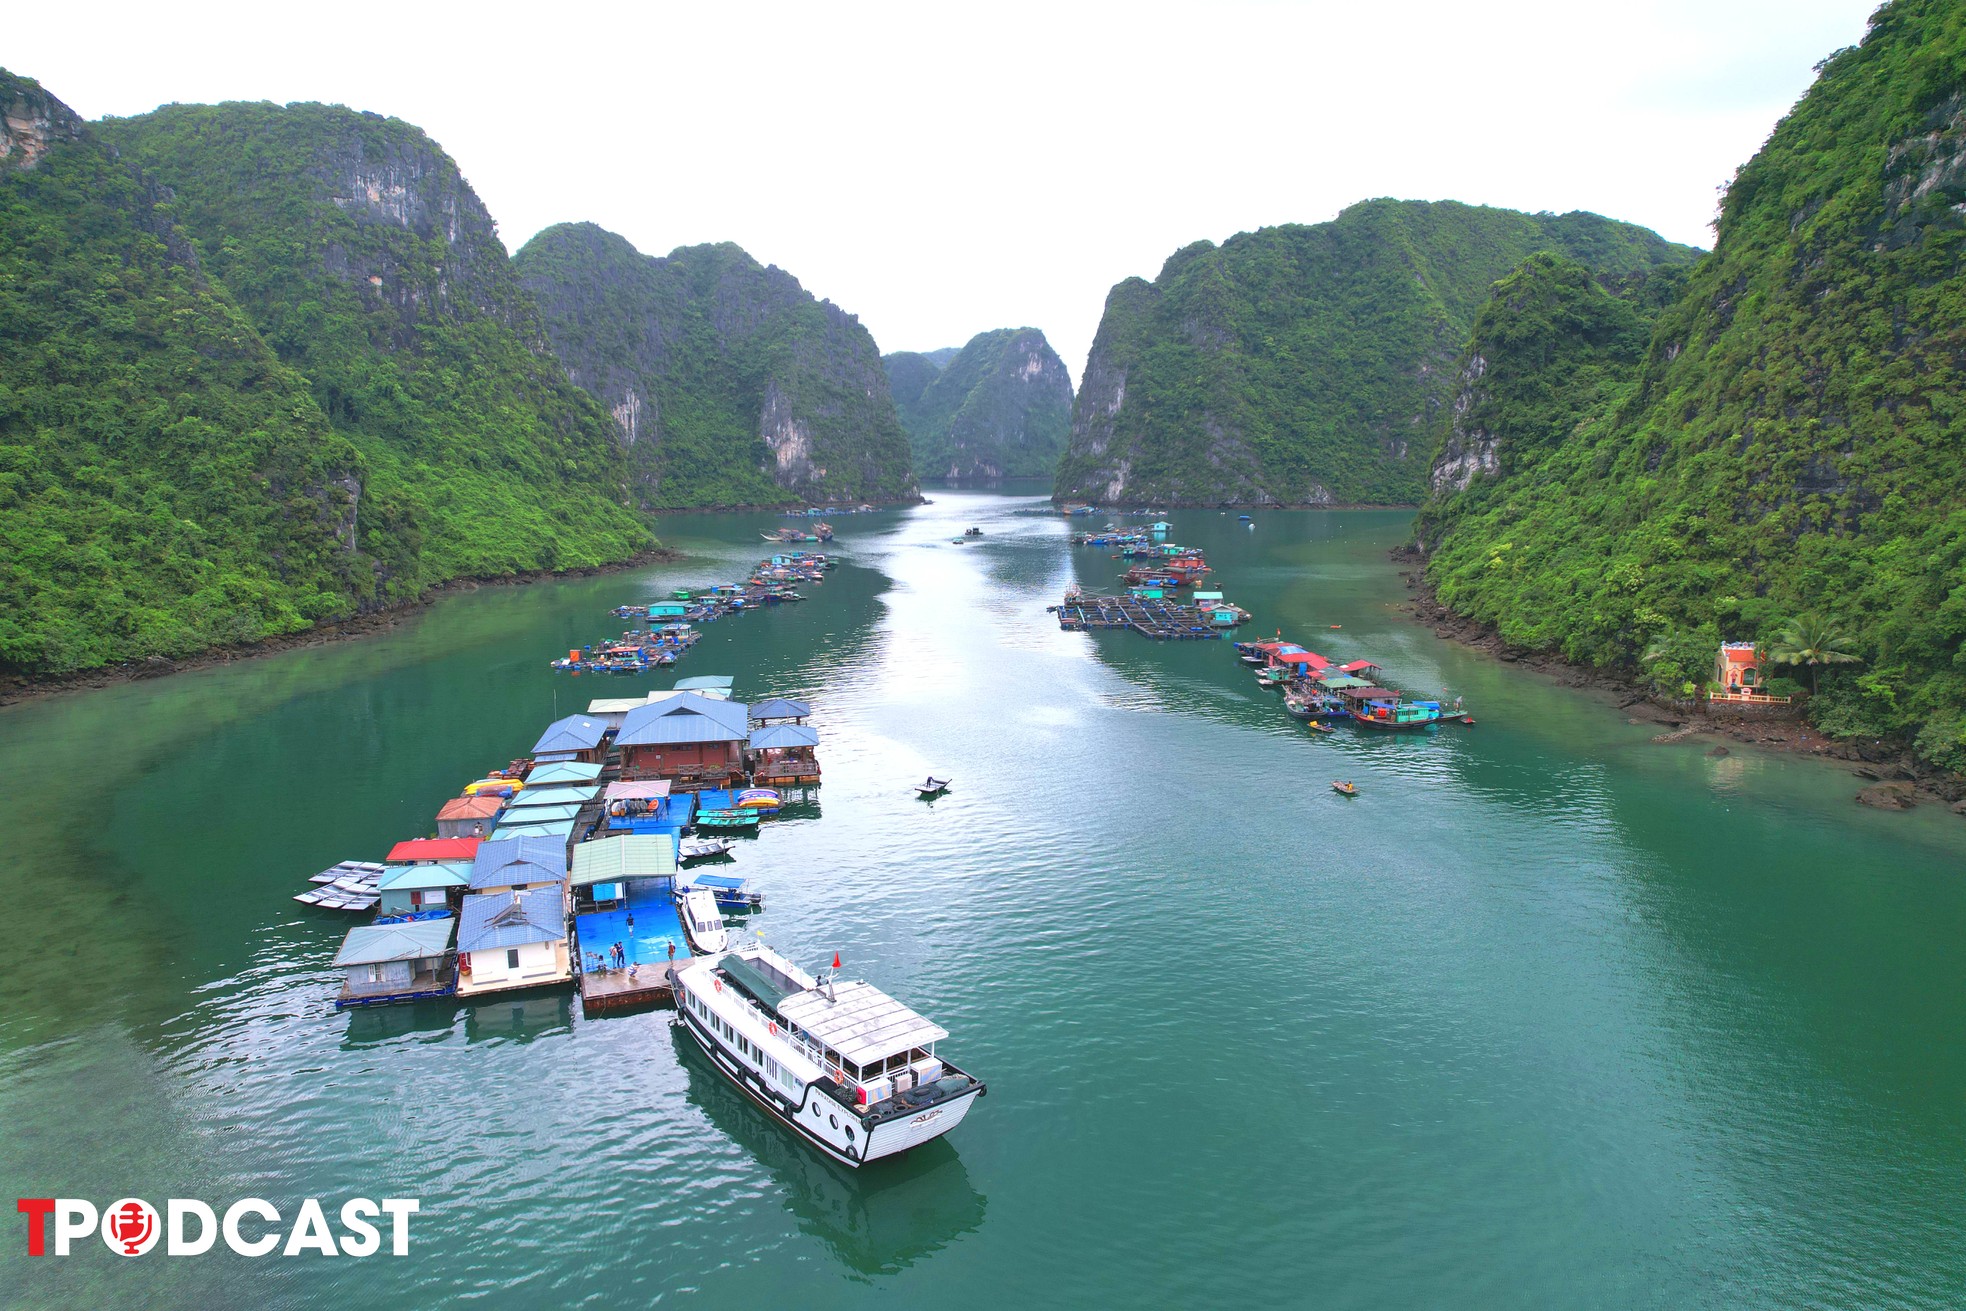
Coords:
943,169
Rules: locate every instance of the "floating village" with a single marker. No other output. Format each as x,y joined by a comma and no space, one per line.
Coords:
599,862
1164,597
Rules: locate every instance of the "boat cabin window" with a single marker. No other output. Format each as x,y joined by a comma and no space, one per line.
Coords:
511,958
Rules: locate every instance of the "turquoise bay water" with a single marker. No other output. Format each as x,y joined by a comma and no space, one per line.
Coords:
1549,1015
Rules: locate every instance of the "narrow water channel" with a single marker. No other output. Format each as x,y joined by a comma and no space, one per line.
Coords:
1549,1015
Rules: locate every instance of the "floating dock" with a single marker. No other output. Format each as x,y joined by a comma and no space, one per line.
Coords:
602,991
1163,621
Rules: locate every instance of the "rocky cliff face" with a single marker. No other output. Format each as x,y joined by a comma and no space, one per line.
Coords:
998,408
730,384
31,121
1305,365
382,211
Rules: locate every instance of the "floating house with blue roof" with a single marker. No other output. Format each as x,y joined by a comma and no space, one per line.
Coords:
386,963
569,773
508,940
693,741
779,710
414,889
575,738
516,864
782,755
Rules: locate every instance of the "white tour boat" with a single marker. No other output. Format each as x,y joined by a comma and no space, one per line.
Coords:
844,1065
703,923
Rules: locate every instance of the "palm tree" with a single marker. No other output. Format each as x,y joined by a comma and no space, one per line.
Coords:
1814,640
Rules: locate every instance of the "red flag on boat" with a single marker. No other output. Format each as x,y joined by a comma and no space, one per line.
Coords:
836,960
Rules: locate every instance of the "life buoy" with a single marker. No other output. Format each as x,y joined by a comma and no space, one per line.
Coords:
720,984
771,1027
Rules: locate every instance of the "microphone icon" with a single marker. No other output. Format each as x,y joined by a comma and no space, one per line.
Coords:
134,1225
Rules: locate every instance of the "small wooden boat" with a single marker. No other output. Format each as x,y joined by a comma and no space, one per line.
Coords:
932,787
1316,727
1345,789
690,849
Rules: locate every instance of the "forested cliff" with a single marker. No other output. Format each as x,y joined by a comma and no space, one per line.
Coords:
1000,407
1306,364
729,382
1768,450
172,480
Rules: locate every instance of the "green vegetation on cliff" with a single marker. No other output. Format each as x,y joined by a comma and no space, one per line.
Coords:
730,383
266,367
366,261
1786,445
166,484
1306,364
998,408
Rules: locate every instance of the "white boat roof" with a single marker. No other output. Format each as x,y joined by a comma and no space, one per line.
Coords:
863,1025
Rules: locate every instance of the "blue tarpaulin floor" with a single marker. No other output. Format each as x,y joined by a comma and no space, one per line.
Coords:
656,926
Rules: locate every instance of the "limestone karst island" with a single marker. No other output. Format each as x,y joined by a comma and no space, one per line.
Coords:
1260,655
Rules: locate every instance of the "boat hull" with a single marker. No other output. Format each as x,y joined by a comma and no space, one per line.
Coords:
1392,726
825,1131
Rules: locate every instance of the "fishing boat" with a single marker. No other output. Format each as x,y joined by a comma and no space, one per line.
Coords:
1345,789
732,818
1297,705
841,1064
1273,675
932,786
693,849
1398,716
703,923
733,898
972,532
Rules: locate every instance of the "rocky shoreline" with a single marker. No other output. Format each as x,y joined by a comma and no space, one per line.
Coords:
1895,779
27,687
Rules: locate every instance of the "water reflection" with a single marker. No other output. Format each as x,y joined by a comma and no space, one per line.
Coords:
877,1220
380,1026
523,1018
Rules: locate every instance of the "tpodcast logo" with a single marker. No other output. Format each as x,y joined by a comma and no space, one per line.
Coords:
250,1226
